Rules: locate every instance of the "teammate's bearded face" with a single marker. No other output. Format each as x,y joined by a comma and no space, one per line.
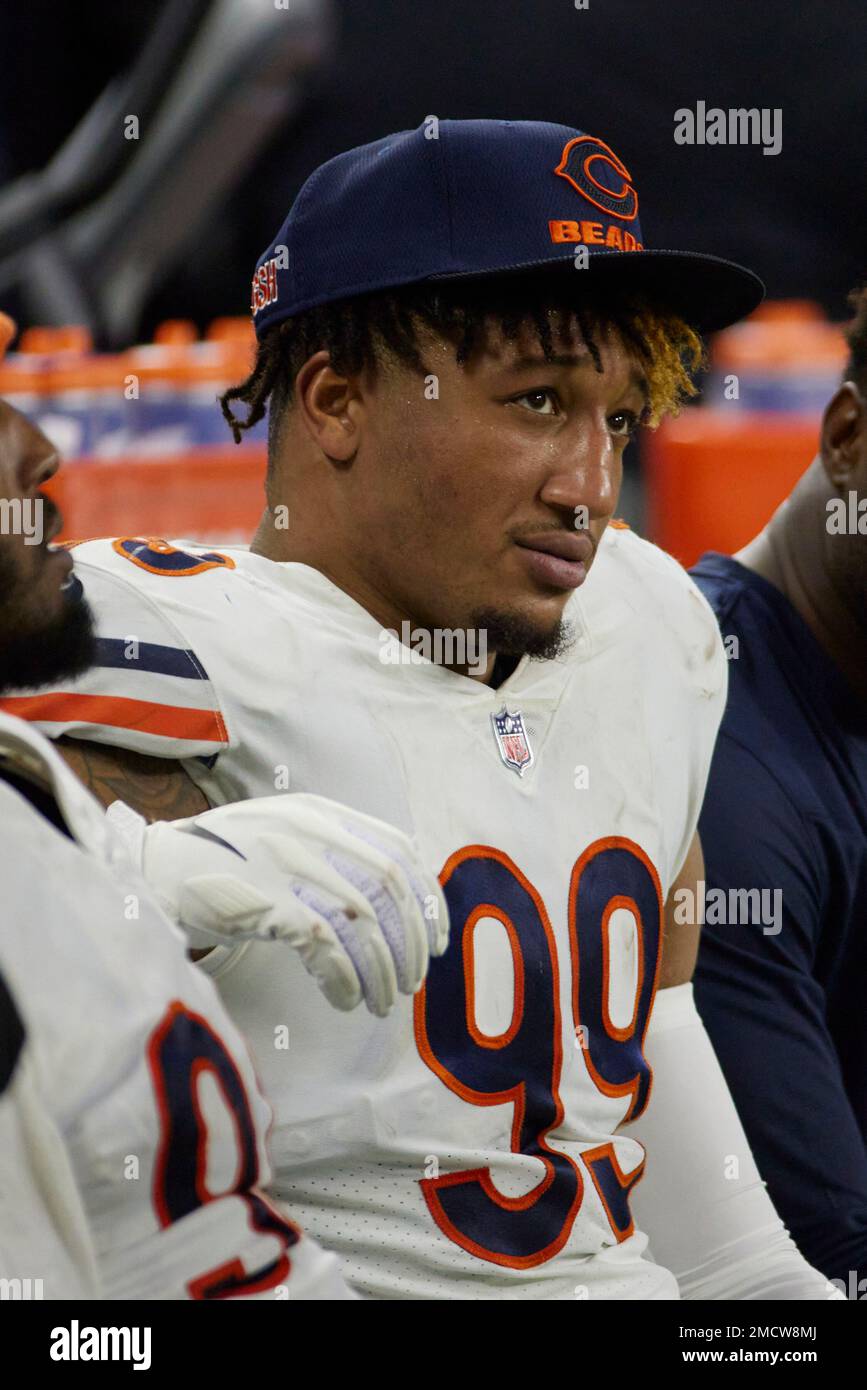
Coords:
480,493
45,626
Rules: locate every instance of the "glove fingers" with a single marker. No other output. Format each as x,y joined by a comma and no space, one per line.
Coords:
231,910
344,898
294,860
398,917
431,904
288,822
374,843
364,947
368,881
328,963
385,913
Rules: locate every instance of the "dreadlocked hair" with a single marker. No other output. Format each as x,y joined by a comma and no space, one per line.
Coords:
359,333
856,337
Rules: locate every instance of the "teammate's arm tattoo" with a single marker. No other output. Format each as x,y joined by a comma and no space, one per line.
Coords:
158,788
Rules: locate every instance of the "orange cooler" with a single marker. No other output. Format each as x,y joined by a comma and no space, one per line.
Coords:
714,477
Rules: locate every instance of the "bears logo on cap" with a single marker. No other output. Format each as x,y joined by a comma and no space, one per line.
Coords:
575,166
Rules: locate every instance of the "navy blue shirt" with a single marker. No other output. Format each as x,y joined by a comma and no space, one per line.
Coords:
786,1010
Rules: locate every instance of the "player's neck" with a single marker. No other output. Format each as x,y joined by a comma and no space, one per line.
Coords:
790,554
287,547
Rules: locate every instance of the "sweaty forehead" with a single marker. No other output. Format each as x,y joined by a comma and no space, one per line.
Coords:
509,355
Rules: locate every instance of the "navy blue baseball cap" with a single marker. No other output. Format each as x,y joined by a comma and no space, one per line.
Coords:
459,200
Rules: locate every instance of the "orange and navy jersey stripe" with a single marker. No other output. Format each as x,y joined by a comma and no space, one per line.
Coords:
118,712
163,703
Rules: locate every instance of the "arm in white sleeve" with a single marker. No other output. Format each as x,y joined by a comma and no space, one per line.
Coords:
702,1202
44,1235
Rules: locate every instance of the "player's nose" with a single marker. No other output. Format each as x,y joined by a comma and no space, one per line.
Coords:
586,476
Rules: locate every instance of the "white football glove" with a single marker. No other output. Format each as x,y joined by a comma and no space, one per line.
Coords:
348,892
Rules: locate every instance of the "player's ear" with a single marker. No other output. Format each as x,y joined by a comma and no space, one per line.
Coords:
844,434
330,406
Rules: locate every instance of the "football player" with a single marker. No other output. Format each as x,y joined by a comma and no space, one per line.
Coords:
459,329
132,1129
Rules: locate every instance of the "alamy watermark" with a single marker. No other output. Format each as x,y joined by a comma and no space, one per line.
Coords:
77,1343
855,1289
21,1290
730,907
442,646
23,516
734,126
847,516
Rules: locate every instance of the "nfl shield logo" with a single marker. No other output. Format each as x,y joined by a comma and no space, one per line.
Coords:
512,740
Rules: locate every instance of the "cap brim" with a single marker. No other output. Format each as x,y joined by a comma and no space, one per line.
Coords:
708,292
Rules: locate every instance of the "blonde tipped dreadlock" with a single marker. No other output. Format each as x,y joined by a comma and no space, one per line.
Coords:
358,333
670,352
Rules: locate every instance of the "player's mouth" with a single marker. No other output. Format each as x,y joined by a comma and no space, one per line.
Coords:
58,554
559,559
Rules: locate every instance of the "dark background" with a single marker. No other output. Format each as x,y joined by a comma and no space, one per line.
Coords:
618,70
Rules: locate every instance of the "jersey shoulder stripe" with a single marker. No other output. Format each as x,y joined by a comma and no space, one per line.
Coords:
150,656
148,689
118,712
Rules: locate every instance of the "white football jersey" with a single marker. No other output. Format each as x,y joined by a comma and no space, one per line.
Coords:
45,1246
138,1084
468,1145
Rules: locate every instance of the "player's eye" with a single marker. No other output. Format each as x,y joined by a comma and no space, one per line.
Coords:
624,423
543,401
